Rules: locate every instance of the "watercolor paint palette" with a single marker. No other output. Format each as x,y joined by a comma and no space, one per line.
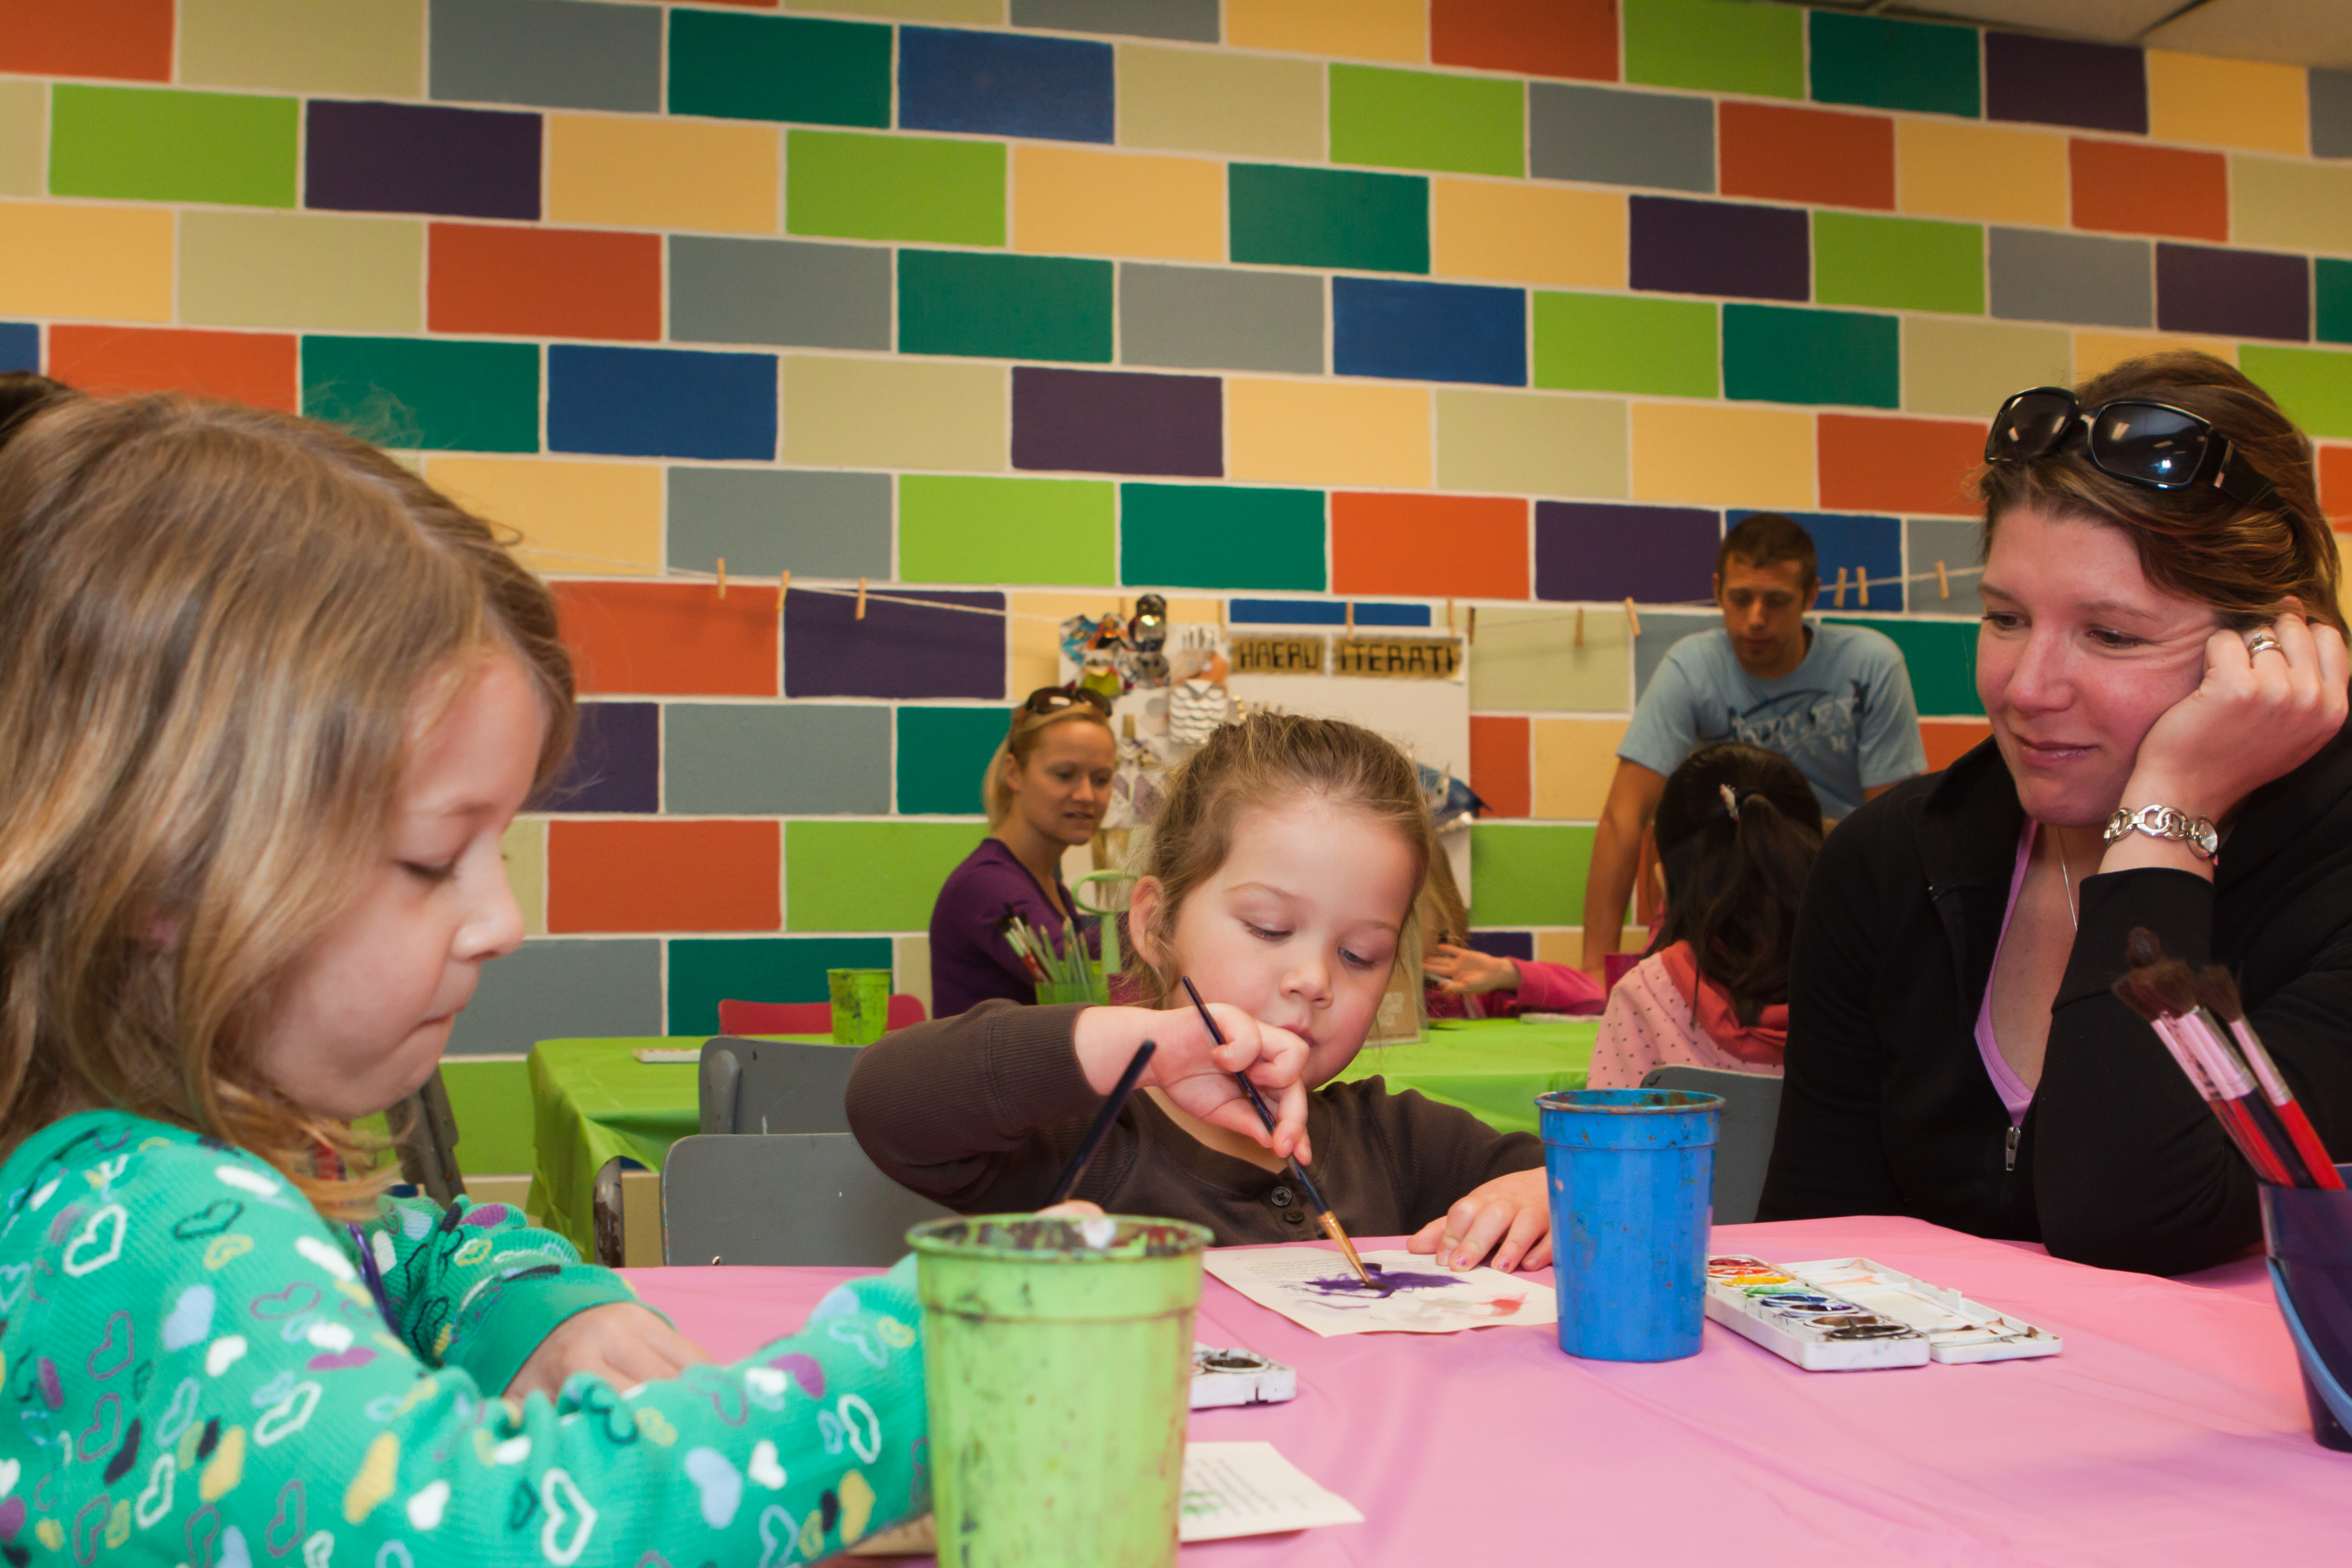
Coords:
1850,1314
1222,1377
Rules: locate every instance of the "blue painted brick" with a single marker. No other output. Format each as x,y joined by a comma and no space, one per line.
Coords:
998,84
1872,544
1429,331
20,346
660,402
615,763
1322,613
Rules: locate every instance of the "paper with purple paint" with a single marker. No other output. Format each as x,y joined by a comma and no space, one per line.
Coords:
1312,1287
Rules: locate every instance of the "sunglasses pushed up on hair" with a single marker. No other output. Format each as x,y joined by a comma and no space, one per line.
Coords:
1053,699
2135,440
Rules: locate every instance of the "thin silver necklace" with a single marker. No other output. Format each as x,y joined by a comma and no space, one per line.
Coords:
2066,879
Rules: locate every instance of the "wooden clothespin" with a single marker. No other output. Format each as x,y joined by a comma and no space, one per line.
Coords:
1352,618
722,576
1449,617
1840,600
1862,580
1943,583
1473,625
861,598
1580,626
1632,618
1220,614
783,585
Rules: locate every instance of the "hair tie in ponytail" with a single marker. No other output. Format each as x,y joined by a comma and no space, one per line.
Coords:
1730,801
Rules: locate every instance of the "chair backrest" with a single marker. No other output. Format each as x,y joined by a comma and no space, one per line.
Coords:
800,1198
807,1017
773,1086
1743,1139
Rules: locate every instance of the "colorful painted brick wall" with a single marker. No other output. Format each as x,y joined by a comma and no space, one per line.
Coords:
1017,307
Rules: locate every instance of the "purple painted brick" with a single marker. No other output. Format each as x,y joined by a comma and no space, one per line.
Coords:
1721,248
1601,553
1118,422
616,763
421,158
897,650
2236,293
2059,82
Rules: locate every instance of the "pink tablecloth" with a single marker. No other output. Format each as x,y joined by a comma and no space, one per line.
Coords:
2172,1430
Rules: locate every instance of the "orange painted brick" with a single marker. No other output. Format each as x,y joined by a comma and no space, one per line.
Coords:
1949,740
674,875
1473,546
1534,38
2336,484
671,639
544,282
1806,155
1898,465
1498,765
130,39
2130,187
257,368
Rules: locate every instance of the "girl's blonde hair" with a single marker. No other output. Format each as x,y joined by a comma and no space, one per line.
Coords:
1269,758
219,625
1018,744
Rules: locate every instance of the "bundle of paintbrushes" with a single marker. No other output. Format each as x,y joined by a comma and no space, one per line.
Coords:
2198,1016
1066,967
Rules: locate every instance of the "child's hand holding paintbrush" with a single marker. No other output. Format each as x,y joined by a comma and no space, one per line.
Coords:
1196,1072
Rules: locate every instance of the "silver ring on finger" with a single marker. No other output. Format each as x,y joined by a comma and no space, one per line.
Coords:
2262,642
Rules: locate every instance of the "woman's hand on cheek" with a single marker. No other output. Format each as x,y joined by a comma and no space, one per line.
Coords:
2255,717
1510,1215
622,1344
1197,1073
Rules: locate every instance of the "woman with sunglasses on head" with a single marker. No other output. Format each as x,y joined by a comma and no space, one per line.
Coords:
1046,789
2163,660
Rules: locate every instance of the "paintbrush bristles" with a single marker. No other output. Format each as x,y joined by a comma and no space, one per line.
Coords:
2164,989
2217,992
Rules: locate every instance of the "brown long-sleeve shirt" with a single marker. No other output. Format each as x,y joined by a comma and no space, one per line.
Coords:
981,1110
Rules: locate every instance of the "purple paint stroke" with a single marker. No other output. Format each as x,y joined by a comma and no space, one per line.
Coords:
1388,1283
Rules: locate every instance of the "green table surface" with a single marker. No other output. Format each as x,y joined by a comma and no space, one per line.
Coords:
592,1099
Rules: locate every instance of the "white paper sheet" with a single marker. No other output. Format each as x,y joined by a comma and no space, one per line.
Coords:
1314,1289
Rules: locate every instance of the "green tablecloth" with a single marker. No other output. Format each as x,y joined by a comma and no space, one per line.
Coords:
592,1099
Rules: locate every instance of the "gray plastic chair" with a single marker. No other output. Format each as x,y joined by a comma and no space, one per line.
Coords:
773,1086
1743,1139
790,1198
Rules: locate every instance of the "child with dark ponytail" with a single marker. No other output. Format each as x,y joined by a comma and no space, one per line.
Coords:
1738,829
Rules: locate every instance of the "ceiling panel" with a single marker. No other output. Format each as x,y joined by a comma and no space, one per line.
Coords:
2111,21
2292,32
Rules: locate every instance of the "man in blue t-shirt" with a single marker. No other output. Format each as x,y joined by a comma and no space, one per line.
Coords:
1834,699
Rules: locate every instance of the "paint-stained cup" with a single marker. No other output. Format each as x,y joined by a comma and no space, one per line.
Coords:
1629,1172
861,1005
2309,1233
1059,1374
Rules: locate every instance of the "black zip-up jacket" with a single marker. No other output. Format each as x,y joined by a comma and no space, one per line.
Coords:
1886,1106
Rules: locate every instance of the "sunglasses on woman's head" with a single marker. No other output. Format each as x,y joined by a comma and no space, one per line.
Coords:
2132,438
1053,699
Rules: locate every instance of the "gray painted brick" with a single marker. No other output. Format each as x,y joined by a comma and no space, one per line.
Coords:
2331,114
1660,629
1616,138
780,291
1957,544
1193,20
2038,275
561,989
770,520
800,760
1199,318
555,54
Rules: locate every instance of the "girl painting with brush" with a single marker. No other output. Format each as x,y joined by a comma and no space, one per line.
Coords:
1283,866
2163,662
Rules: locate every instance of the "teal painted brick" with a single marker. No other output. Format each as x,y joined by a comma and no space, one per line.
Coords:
870,875
1885,62
2332,282
1421,120
943,756
1004,307
1773,353
1221,536
705,971
1329,217
779,67
1941,656
155,144
917,188
425,394
1715,45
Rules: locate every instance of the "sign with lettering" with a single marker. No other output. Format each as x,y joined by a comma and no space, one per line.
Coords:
1398,659
1278,656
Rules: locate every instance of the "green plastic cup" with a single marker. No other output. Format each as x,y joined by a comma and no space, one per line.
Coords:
861,1005
1060,1376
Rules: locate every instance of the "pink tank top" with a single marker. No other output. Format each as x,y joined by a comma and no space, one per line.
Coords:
2015,1094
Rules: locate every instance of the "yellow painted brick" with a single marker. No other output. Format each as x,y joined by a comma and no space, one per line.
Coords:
2228,104
1530,443
907,10
1351,29
23,138
1957,169
1206,100
910,968
2291,205
1560,944
372,49
1523,233
2098,351
1326,433
301,270
895,413
587,519
1719,455
1574,760
1966,367
1526,661
524,845
111,263
647,172
1073,201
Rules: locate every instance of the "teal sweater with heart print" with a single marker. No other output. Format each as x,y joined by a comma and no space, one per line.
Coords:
196,1372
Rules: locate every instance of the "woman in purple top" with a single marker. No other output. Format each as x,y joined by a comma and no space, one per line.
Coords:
1048,787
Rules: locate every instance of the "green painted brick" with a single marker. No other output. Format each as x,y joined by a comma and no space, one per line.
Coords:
424,392
1221,536
2313,385
1420,120
957,529
1716,45
1885,62
1004,307
1523,874
1772,353
870,875
1898,263
894,187
943,755
1941,658
705,971
2332,283
156,144
1611,343
1327,217
779,67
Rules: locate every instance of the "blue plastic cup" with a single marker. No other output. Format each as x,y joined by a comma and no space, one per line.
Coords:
2308,1231
1631,1173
